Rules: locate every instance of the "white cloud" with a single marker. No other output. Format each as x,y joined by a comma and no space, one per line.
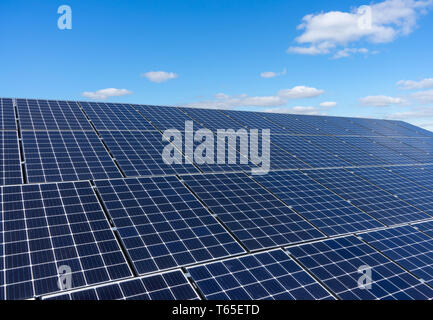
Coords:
423,96
270,74
381,101
159,76
300,92
379,23
347,52
328,104
106,93
411,85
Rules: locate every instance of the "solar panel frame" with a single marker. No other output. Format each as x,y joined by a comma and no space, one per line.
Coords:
10,159
256,217
55,156
171,285
337,263
7,114
48,226
162,225
261,276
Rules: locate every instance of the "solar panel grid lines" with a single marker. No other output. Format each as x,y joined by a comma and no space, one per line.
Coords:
7,114
171,285
321,207
115,116
162,225
403,188
383,127
256,217
418,130
51,115
291,123
338,262
425,144
408,247
425,227
55,156
10,159
50,226
376,202
253,121
261,276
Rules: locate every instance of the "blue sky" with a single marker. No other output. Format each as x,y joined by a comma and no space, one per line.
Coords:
245,55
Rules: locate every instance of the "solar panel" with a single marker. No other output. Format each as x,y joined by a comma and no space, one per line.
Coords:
10,161
322,123
406,190
324,209
253,215
139,153
383,127
50,226
213,119
374,201
420,132
164,118
165,286
337,263
378,150
426,227
305,150
425,144
291,123
115,116
7,115
51,115
263,276
56,156
406,246
253,121
162,225
350,126
421,175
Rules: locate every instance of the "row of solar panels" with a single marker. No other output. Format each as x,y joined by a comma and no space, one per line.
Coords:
56,156
72,116
122,227
400,260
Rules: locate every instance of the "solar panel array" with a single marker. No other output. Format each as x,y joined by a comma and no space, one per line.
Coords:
90,209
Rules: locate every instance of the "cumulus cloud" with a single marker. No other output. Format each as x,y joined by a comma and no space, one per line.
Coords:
381,101
412,85
379,23
106,93
159,76
270,74
224,101
328,104
423,96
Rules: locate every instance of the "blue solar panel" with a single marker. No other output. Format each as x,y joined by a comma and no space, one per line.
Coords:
253,215
114,116
408,247
337,264
426,227
374,201
330,213
305,150
162,225
406,190
165,286
66,156
254,121
49,226
10,161
264,276
51,115
383,127
421,175
404,149
213,119
7,115
350,126
420,132
325,125
425,144
140,153
292,123
164,118
378,150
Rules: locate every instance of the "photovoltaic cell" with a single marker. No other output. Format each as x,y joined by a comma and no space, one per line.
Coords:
425,144
305,150
264,276
324,125
350,126
7,115
164,118
291,123
374,201
10,161
213,119
338,263
51,115
166,286
421,175
254,121
406,246
378,150
323,208
382,127
56,156
162,225
406,190
140,153
420,132
114,116
53,226
426,227
252,214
